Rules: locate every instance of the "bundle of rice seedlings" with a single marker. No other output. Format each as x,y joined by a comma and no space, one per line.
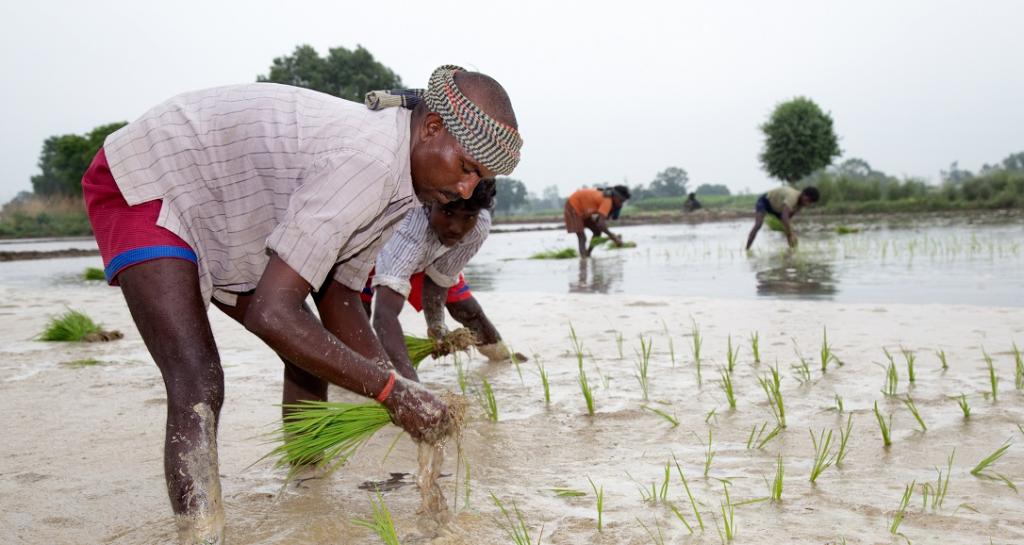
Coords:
565,253
774,223
75,326
624,245
93,273
598,240
846,230
455,341
326,434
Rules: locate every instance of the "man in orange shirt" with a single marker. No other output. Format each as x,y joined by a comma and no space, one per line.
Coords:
590,208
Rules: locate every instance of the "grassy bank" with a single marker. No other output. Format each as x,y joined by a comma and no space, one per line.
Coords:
44,217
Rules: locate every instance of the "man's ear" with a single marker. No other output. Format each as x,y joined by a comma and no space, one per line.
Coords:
431,126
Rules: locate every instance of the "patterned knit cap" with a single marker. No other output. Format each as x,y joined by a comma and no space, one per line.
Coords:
490,142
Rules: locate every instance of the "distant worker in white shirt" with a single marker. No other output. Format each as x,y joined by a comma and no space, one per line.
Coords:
423,264
783,203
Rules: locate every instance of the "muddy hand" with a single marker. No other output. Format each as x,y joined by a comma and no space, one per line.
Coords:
419,412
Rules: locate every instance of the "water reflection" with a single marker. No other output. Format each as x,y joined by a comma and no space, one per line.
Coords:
790,273
598,275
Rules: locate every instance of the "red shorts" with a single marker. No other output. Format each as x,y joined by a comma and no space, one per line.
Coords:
458,292
126,235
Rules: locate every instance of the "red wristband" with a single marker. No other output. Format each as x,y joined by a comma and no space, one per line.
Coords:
386,391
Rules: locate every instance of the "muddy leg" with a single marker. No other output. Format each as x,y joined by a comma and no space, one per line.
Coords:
165,302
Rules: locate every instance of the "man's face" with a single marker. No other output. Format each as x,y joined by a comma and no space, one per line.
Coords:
805,201
451,225
441,170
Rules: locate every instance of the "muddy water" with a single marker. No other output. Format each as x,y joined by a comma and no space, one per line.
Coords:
83,463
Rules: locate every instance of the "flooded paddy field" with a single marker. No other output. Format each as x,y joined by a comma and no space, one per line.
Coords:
83,459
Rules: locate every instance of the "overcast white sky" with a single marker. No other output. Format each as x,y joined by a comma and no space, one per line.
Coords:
603,91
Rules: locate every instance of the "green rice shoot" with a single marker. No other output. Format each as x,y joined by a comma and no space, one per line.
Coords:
758,438
515,527
884,426
965,407
825,352
671,419
892,378
910,358
325,433
728,531
732,355
599,495
588,394
544,381
844,440
755,346
71,326
87,362
568,492
725,383
419,348
709,453
775,485
935,496
564,253
643,365
93,273
993,379
771,384
912,407
679,515
942,359
618,343
485,395
656,538
689,494
983,467
839,403
1018,368
901,509
381,524
823,456
695,349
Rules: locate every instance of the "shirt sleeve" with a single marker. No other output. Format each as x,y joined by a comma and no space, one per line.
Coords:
606,207
342,196
444,271
404,253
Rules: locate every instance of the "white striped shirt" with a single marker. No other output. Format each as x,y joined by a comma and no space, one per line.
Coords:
245,169
416,248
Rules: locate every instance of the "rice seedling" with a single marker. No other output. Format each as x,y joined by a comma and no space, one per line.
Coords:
912,407
670,418
663,491
839,403
1018,368
823,456
775,485
755,348
618,343
942,359
87,362
577,345
643,364
381,524
726,385
672,350
588,395
460,375
689,494
599,494
467,487
711,415
892,378
419,348
485,395
934,496
564,253
695,349
515,528
93,273
728,530
544,382
657,539
326,433
964,406
679,515
993,379
755,433
709,453
901,510
884,426
1021,428
568,492
844,439
802,371
72,326
732,355
825,352
982,469
771,384
910,358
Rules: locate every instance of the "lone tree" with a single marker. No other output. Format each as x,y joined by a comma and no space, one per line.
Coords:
343,73
798,140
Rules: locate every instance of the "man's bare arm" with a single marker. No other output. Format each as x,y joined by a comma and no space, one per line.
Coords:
387,306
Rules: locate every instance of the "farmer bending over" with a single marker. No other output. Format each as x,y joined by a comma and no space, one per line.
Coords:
423,264
591,209
783,203
254,196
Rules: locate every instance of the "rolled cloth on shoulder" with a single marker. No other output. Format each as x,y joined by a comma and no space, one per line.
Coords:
492,143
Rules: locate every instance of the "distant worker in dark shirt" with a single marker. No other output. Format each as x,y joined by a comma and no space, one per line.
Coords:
691,204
